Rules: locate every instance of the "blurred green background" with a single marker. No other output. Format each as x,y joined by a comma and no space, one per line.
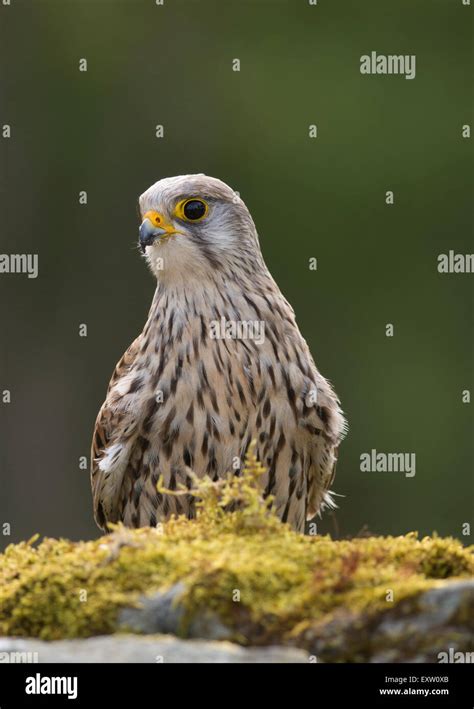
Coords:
377,264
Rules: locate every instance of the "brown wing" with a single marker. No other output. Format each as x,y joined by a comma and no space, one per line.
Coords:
114,435
332,425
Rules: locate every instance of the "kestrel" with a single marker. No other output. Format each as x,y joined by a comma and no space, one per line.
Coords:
220,362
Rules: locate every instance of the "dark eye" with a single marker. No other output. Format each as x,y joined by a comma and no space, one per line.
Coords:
194,209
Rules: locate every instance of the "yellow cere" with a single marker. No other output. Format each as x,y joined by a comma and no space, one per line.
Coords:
156,218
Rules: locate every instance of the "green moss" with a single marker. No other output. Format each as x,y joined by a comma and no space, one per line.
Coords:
287,582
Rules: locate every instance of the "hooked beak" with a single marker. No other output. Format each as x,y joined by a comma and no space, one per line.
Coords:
154,226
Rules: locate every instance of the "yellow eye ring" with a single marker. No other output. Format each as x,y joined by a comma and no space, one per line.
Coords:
192,209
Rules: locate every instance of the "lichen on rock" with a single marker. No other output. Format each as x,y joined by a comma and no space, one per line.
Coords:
261,580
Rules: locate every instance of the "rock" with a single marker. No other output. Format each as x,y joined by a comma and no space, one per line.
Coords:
163,613
418,629
135,648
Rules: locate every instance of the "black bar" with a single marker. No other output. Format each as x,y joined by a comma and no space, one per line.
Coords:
371,685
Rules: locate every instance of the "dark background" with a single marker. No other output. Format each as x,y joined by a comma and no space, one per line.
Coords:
325,197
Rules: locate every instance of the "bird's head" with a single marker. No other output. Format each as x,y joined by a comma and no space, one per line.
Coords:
192,224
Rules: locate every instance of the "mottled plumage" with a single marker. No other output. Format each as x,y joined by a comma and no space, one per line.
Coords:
181,400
